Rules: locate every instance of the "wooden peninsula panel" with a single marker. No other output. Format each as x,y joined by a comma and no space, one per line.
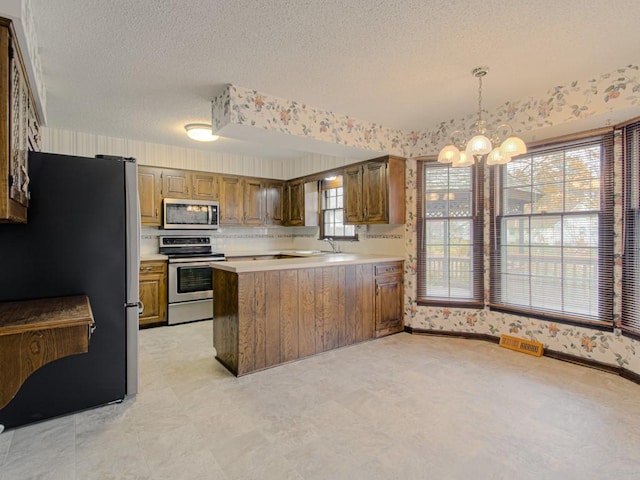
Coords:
36,332
266,318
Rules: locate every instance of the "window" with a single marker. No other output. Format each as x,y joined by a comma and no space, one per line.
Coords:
552,232
332,211
450,234
631,257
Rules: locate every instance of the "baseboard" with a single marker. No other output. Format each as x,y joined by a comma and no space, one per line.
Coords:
565,357
442,333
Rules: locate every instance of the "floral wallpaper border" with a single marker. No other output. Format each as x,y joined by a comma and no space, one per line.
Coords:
560,104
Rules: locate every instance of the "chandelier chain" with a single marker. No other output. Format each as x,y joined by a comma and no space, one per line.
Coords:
479,102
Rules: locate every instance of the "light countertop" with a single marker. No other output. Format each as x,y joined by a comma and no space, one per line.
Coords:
309,260
148,257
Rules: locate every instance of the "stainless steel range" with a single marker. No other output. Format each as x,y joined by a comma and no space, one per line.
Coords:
190,277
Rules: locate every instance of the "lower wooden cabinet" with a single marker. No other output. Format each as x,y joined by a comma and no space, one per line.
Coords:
153,293
266,318
389,298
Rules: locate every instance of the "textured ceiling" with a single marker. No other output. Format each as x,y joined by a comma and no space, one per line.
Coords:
142,69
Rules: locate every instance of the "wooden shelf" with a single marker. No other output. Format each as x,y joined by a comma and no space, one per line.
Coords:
36,332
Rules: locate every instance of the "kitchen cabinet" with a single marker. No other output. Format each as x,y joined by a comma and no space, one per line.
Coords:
205,186
250,201
274,193
294,203
150,195
374,191
389,298
153,293
176,183
269,317
19,128
231,200
254,201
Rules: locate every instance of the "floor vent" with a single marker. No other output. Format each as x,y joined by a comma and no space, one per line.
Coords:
521,345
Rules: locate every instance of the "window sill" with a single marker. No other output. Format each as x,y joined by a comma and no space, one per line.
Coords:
450,303
552,317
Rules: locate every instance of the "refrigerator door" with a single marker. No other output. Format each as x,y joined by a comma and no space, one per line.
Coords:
133,272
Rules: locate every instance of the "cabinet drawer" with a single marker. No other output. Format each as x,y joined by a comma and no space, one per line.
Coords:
388,268
147,268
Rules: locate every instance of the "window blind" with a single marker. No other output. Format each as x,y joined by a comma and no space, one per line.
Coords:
450,243
552,232
631,258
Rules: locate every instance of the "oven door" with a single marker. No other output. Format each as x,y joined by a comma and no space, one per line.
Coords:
190,281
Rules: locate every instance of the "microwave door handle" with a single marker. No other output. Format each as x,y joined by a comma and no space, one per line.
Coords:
209,214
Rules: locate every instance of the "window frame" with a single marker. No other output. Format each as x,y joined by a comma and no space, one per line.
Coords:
323,186
605,230
630,294
477,238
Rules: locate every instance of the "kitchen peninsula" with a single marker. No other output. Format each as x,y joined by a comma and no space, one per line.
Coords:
270,312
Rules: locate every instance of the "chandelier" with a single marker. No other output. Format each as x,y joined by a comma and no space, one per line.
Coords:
463,153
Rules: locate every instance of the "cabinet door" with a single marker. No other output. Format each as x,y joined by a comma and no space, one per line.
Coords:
149,193
375,192
388,304
153,293
254,202
175,184
205,186
231,201
353,210
273,197
296,203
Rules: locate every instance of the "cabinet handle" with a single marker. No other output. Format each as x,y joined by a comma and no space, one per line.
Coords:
377,290
140,307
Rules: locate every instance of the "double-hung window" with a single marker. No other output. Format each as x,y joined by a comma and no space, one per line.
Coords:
552,232
449,234
332,205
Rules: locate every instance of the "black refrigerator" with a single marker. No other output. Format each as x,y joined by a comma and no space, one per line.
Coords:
82,238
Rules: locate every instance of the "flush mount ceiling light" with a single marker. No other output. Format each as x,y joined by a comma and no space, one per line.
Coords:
463,153
200,132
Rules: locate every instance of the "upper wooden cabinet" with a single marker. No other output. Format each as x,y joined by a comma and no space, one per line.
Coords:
231,200
250,201
274,197
176,183
374,191
294,203
205,186
254,202
150,195
19,128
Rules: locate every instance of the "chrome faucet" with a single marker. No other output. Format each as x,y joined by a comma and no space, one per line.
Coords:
332,242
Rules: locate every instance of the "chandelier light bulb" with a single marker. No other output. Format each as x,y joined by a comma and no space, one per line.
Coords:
513,146
449,154
496,157
465,160
479,145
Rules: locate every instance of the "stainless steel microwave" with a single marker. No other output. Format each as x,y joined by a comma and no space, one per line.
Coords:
190,214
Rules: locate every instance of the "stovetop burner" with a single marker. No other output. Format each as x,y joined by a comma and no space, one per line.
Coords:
192,248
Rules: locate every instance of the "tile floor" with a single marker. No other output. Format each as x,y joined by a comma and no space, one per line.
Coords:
402,407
